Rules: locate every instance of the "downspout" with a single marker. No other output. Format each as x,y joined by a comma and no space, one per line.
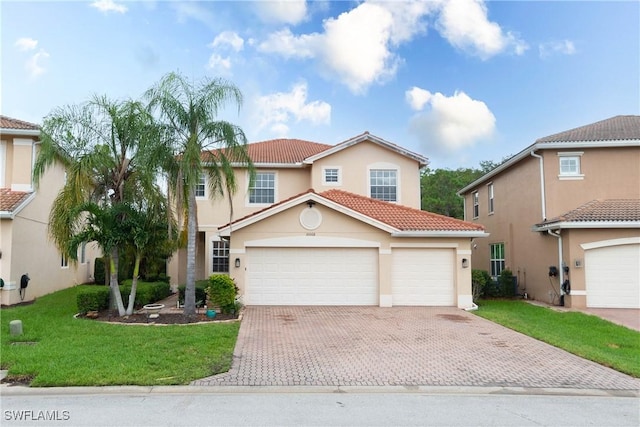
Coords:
560,266
543,198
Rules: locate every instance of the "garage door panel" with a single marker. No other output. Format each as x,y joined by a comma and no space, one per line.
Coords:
423,277
312,276
612,276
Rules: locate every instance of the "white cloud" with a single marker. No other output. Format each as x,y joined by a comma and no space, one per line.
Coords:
34,64
193,10
26,43
282,11
465,24
219,64
286,44
228,39
451,123
107,6
275,111
564,47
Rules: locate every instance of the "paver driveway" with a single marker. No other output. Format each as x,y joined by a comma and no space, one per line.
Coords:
425,346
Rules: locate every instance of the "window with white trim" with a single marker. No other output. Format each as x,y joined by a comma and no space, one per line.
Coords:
200,187
220,256
331,176
64,261
476,204
263,188
569,165
496,259
490,194
384,184
83,252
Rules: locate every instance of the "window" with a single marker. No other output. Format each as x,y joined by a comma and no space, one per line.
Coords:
383,184
331,176
263,190
490,191
83,252
570,165
220,256
200,187
497,259
476,204
64,261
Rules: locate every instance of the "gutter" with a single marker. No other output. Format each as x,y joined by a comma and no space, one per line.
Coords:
20,132
543,198
445,233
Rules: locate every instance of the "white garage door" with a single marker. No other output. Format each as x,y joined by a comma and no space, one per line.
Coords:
312,276
423,277
613,276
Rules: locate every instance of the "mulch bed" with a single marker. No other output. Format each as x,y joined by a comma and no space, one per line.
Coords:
163,319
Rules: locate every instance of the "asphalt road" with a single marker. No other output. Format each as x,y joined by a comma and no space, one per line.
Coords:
377,406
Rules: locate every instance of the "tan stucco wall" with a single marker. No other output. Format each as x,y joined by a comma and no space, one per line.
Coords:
354,163
338,228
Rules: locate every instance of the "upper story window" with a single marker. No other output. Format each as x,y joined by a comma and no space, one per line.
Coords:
200,187
331,176
476,204
384,184
570,165
263,189
64,261
490,195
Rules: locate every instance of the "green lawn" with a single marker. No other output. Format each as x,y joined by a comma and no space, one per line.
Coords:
78,352
584,335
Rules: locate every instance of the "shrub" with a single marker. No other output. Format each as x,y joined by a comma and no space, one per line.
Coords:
99,271
479,281
95,299
222,292
201,294
146,292
507,283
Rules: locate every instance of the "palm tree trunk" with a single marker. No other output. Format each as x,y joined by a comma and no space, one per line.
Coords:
190,289
134,285
113,282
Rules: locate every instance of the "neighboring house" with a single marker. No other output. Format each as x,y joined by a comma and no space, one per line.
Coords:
25,248
333,225
570,201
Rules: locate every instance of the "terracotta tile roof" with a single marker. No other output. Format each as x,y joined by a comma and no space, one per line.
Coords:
401,217
614,129
283,151
618,210
9,123
10,200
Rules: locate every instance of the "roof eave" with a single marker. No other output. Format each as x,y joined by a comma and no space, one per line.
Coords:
266,165
441,233
19,132
585,224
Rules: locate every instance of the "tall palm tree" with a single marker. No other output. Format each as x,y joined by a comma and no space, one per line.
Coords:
111,153
190,111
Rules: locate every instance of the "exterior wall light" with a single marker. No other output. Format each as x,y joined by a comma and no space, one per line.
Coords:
465,263
237,263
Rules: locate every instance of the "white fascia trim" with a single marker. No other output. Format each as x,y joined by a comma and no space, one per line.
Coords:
16,211
19,132
548,146
268,165
303,198
587,224
578,293
611,242
444,245
439,234
311,242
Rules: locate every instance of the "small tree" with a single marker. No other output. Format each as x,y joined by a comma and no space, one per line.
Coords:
222,292
479,280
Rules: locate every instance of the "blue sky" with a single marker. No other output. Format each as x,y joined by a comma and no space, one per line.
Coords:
457,81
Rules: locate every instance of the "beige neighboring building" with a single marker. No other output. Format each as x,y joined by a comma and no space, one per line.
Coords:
25,248
333,225
570,201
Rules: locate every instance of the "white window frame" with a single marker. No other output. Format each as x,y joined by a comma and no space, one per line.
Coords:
491,198
338,170
201,187
275,190
475,197
64,261
497,262
381,166
3,161
216,254
576,157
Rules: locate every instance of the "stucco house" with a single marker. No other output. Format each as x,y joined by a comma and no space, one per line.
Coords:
566,211
333,225
25,249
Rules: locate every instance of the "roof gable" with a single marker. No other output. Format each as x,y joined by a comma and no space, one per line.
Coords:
11,123
12,201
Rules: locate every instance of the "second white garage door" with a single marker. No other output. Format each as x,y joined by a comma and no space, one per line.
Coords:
311,276
423,277
613,276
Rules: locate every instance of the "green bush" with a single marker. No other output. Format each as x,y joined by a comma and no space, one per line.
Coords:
99,271
94,299
201,294
222,292
507,283
146,292
479,281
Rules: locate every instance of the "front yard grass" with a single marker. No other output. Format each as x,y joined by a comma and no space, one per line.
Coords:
58,350
582,334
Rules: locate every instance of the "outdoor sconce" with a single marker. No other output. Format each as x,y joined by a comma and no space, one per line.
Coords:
465,263
237,263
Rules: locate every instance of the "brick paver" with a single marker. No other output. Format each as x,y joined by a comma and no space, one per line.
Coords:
420,346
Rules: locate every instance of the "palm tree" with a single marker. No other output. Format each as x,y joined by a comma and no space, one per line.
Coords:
111,153
189,111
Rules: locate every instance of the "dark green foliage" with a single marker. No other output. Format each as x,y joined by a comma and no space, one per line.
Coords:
146,292
479,281
201,295
507,283
99,271
222,292
93,299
